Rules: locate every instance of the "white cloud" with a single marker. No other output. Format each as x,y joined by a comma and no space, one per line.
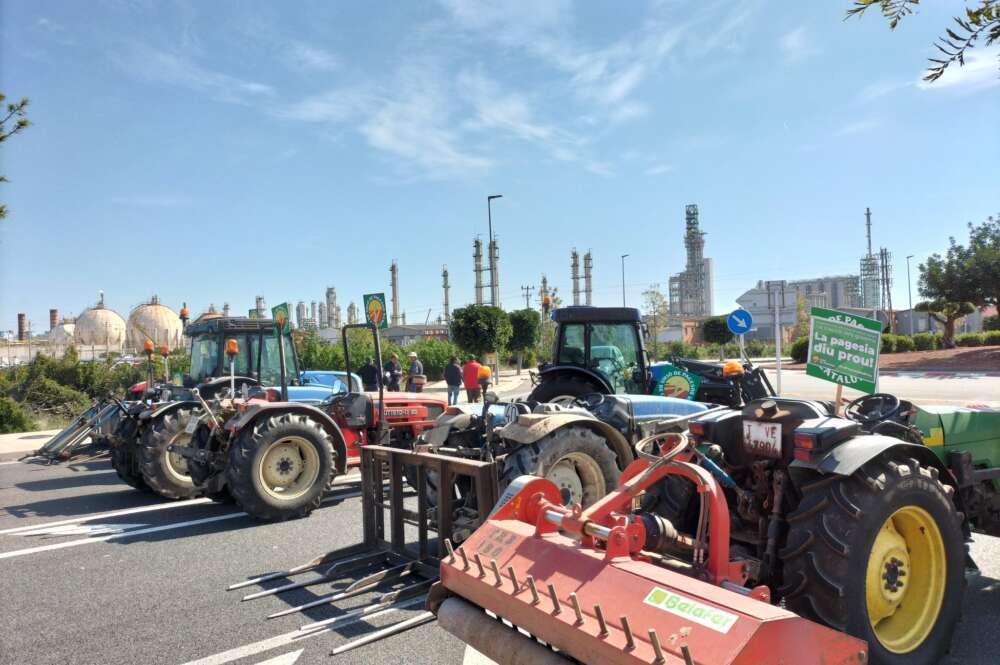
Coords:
857,127
980,72
311,57
659,169
150,64
795,45
879,89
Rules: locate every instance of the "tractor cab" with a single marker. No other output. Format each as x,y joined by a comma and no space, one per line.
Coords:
597,349
258,361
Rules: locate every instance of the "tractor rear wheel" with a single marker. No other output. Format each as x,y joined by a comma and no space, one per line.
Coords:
124,459
879,555
281,467
166,472
578,460
563,389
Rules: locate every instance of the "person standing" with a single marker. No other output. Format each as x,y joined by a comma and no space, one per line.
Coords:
395,370
470,374
415,378
453,376
369,375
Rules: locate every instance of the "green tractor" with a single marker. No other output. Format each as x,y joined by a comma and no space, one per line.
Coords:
603,350
857,521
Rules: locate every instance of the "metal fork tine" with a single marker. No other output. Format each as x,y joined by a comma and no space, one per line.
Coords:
331,598
354,563
394,629
389,573
361,611
304,568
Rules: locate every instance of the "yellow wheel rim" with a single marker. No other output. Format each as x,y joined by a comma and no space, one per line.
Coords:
905,579
288,468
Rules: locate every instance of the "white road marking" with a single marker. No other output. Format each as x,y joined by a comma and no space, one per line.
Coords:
82,529
111,513
284,659
139,532
286,639
17,461
343,480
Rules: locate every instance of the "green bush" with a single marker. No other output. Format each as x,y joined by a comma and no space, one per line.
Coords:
991,338
888,343
800,349
925,341
904,343
685,350
970,339
991,323
13,418
434,354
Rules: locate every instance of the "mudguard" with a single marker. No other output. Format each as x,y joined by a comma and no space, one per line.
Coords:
591,375
851,455
531,427
168,407
258,410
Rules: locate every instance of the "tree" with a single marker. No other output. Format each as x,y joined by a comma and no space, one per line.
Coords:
716,331
657,310
19,114
526,325
950,286
981,21
480,329
801,317
984,245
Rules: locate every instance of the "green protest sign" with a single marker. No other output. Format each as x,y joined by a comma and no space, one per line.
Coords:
282,319
843,348
375,310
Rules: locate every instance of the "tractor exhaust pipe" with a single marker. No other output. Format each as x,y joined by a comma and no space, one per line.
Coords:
491,637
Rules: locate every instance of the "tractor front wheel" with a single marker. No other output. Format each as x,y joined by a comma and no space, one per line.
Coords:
578,460
280,468
879,555
164,471
124,458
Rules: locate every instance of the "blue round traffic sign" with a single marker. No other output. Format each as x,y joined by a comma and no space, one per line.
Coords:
739,321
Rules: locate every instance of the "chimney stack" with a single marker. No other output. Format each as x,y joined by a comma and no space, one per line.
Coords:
477,268
53,319
394,283
314,313
588,266
332,311
444,283
259,304
574,270
22,327
494,273
225,309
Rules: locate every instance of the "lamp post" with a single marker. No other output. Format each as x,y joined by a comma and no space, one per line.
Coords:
624,256
909,292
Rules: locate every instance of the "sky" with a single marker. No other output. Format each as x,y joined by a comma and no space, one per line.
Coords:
210,152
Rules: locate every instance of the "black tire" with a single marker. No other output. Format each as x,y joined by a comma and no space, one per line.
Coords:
167,474
593,457
246,456
124,458
830,542
563,386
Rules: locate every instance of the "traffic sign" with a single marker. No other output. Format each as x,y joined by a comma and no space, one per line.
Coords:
739,321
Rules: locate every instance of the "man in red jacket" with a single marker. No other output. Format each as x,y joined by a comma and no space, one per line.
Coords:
470,377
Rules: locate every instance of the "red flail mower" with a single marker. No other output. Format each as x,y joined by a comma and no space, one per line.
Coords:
599,586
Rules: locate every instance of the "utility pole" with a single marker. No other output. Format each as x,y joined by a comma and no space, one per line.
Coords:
527,295
624,256
909,294
776,300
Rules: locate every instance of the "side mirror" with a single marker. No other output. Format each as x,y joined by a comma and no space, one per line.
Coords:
491,398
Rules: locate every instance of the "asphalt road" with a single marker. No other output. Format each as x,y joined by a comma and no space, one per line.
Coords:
956,390
148,584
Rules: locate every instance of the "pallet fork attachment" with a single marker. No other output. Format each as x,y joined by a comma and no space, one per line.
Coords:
73,439
398,570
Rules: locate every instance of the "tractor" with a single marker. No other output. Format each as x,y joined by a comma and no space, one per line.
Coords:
602,350
277,458
157,416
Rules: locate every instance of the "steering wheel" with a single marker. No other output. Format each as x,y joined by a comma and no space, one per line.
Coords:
869,409
590,401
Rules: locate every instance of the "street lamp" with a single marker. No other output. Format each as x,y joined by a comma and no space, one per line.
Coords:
624,256
909,292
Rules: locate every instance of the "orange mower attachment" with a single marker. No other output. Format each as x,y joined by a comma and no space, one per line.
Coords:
600,587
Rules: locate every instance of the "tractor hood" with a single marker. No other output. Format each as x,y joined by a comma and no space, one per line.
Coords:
957,426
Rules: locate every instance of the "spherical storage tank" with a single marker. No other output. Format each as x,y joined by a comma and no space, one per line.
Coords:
156,322
62,334
99,326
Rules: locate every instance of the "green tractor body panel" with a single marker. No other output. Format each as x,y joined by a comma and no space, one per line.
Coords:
974,430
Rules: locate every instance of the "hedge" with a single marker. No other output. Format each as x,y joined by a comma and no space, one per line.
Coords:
13,417
991,337
800,349
970,339
888,343
925,341
904,343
